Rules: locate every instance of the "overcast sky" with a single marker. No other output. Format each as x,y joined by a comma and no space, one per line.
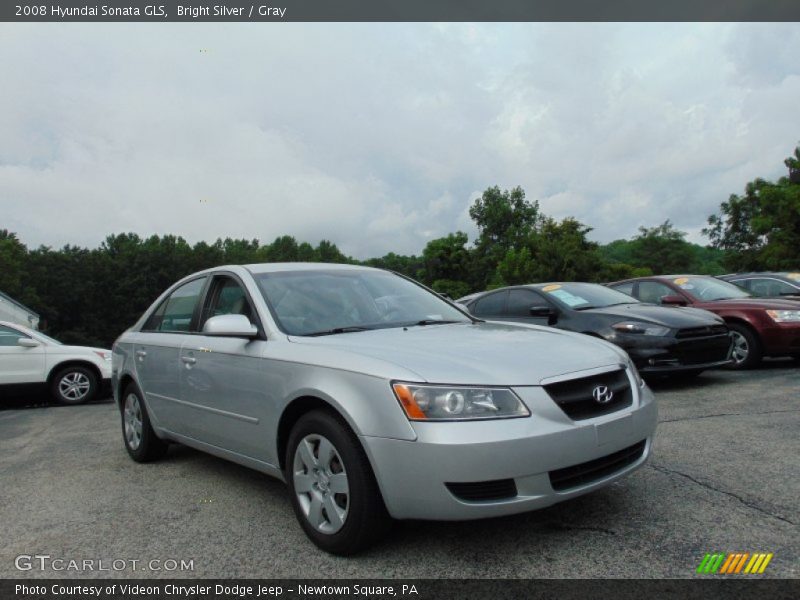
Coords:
379,136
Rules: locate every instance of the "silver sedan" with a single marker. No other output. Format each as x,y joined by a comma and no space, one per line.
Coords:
374,398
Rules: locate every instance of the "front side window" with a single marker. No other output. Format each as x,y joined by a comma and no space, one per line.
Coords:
328,301
9,336
175,313
770,287
653,291
520,303
229,298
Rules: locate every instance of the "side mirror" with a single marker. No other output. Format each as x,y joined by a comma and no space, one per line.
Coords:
27,342
230,326
542,311
673,300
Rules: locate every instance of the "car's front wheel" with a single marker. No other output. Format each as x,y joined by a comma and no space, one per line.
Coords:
141,442
746,351
333,490
74,385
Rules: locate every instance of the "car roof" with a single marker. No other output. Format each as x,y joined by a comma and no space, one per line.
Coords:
302,266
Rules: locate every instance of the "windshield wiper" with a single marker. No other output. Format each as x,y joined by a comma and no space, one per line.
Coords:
335,330
436,322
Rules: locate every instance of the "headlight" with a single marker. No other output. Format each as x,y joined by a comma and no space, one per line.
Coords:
636,374
784,316
638,327
106,356
451,403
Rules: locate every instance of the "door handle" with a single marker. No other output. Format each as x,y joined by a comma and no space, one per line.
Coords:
188,360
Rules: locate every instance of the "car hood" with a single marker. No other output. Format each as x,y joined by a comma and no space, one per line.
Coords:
478,354
64,349
668,316
745,303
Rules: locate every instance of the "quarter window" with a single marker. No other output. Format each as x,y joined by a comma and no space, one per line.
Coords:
625,288
175,313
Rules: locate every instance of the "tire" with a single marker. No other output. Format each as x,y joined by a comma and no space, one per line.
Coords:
341,522
74,385
141,442
746,347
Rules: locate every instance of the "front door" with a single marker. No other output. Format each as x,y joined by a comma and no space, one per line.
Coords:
223,379
19,364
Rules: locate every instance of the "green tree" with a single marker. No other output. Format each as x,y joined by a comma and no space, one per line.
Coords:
446,258
505,220
760,230
662,249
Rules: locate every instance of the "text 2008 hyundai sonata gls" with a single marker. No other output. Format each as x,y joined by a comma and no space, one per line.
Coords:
372,397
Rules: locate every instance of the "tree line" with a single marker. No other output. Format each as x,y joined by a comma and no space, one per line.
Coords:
89,296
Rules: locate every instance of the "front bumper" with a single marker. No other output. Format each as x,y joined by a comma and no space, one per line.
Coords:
412,475
654,355
781,339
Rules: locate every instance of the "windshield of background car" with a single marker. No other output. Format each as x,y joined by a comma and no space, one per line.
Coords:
309,302
582,296
709,288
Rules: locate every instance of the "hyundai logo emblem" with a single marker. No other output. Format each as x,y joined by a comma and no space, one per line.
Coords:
602,395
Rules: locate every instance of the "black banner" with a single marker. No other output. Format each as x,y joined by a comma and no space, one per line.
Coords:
389,589
400,10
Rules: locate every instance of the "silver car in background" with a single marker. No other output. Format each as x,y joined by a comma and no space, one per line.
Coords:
374,398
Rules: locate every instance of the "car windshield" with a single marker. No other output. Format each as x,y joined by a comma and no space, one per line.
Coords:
710,288
583,296
324,302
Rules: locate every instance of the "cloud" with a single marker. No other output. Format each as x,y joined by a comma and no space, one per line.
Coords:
379,136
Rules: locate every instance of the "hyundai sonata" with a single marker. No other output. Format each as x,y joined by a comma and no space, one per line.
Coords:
374,398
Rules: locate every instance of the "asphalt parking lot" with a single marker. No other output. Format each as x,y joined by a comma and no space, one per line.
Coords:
724,477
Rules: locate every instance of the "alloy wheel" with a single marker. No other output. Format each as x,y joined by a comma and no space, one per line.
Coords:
741,349
133,421
320,483
74,386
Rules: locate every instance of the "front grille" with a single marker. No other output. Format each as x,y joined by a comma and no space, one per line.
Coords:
703,351
594,470
705,331
575,397
482,491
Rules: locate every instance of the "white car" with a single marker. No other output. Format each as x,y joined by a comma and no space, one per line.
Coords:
30,359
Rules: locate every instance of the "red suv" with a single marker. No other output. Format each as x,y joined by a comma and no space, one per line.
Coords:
760,327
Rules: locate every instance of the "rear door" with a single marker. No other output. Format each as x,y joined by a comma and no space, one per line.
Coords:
520,304
157,353
223,380
18,364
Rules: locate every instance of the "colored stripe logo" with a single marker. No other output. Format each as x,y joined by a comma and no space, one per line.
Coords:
734,563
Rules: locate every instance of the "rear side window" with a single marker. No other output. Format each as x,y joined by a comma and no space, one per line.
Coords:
175,313
625,288
9,337
493,305
520,303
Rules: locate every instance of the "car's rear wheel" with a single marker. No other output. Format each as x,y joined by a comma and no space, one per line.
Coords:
333,490
141,441
746,351
74,385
